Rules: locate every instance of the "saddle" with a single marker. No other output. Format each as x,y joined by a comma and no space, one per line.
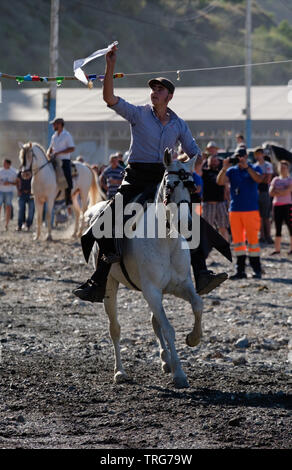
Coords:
93,234
144,198
60,177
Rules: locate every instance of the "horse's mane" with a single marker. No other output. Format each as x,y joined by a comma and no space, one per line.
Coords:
36,144
27,146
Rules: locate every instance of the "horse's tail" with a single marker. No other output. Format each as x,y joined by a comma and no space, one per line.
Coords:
94,194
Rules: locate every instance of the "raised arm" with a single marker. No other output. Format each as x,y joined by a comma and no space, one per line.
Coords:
222,179
108,83
199,164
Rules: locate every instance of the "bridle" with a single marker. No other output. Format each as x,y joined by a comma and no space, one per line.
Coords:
34,172
183,176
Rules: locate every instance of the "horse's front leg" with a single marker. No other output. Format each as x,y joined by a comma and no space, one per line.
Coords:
50,206
187,292
110,305
154,298
39,206
194,337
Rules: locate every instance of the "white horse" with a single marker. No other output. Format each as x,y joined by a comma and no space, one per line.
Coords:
276,153
157,266
45,188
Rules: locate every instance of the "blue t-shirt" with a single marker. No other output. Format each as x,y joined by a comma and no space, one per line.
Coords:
243,189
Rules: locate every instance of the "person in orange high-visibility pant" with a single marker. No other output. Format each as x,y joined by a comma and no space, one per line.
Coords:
245,226
244,213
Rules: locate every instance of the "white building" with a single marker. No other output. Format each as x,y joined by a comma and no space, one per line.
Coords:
212,113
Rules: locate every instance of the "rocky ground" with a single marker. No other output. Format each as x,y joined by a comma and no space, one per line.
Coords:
56,363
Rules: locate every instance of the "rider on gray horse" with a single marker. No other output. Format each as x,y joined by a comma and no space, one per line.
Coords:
153,129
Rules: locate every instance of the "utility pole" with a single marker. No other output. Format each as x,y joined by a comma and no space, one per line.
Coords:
54,42
248,71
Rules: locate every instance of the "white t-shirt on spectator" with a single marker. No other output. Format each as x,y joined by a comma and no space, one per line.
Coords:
267,167
7,175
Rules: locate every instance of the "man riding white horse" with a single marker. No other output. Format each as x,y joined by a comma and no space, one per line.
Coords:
153,128
61,146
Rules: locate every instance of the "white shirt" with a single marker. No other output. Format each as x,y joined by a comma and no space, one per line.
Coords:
266,166
61,142
7,175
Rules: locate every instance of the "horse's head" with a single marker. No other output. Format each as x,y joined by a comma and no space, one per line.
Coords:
175,191
31,155
25,155
178,182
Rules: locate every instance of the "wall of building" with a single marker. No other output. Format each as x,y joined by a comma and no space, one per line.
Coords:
95,141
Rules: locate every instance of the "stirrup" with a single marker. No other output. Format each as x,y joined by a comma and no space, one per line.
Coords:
111,258
90,291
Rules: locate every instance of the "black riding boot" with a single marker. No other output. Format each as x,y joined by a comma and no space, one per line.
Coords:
255,263
198,263
240,268
94,288
205,279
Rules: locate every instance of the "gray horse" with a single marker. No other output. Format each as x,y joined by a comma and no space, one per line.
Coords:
158,266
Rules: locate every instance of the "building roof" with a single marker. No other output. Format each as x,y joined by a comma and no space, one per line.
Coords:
190,103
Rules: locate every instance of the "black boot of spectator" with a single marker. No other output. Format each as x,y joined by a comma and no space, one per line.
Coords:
255,263
240,268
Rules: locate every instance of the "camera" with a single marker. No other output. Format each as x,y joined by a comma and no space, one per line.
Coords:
233,160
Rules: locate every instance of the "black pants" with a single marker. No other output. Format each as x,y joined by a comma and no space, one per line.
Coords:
283,214
141,177
66,166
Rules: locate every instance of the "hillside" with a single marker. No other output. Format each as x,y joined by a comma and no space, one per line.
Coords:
153,35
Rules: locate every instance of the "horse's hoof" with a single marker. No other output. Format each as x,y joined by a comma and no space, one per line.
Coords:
165,368
49,238
180,382
120,377
192,342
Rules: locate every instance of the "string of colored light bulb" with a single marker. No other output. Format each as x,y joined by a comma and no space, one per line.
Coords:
91,77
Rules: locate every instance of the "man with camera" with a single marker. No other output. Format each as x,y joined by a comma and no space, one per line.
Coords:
244,214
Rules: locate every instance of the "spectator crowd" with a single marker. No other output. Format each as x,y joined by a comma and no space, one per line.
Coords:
240,198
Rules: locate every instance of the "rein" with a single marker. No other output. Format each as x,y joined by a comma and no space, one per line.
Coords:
35,172
40,167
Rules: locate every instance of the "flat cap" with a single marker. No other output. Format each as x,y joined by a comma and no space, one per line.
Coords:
58,120
164,82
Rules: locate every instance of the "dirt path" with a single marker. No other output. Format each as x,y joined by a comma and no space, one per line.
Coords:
56,363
